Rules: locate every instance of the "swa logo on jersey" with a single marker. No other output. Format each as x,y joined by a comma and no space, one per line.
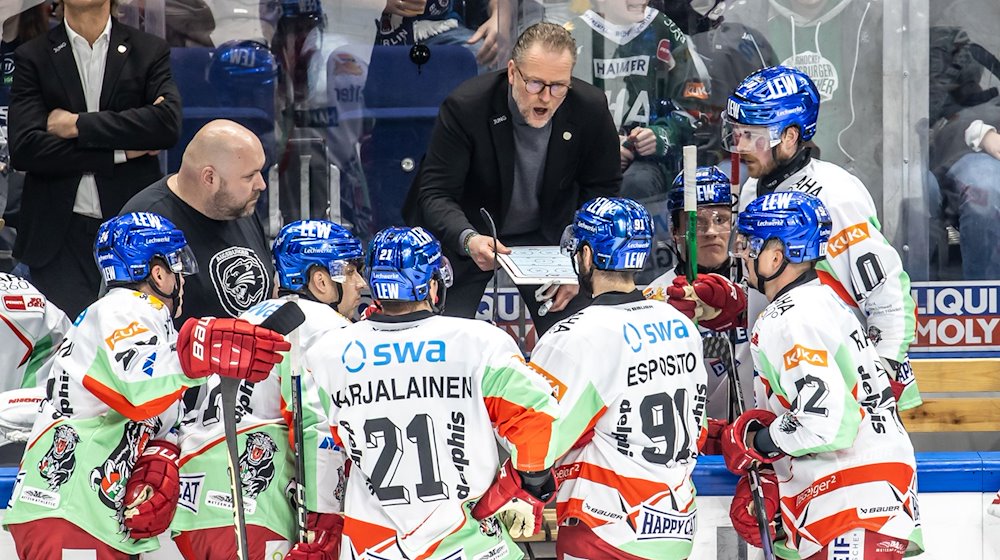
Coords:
799,354
355,355
654,332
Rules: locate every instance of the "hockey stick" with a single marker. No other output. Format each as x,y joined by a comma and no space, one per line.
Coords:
720,348
496,263
298,422
734,272
284,320
691,209
736,404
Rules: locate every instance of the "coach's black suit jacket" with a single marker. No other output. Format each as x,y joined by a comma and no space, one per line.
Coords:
470,164
46,78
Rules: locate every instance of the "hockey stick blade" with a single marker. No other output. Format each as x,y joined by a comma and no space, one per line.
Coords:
283,320
718,352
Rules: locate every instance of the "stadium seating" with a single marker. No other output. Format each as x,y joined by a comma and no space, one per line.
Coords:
403,100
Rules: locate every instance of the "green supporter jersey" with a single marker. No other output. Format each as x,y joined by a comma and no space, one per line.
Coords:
116,381
650,75
840,49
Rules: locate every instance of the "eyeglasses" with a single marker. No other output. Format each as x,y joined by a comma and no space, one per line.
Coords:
534,87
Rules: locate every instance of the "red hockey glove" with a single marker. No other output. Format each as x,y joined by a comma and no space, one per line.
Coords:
229,347
742,513
152,491
372,309
519,510
739,455
713,443
324,532
717,303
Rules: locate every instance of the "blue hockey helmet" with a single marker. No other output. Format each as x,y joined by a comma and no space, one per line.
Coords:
712,189
126,245
764,104
243,73
618,230
304,244
799,220
401,263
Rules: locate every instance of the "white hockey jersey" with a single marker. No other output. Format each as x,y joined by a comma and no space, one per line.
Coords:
116,381
31,328
419,402
718,381
850,464
267,457
861,266
632,369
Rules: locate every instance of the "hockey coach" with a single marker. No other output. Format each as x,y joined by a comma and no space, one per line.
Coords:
529,144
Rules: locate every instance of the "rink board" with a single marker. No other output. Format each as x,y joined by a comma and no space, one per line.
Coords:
955,489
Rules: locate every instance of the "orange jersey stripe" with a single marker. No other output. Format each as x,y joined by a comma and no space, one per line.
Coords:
827,279
528,430
899,475
367,535
633,490
574,508
120,404
823,531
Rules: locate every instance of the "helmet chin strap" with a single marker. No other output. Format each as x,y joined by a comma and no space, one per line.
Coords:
442,294
761,279
174,296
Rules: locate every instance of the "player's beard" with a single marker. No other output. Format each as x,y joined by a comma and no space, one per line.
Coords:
227,203
584,277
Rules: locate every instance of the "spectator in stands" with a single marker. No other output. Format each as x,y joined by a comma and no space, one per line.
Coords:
189,23
438,22
839,45
530,145
655,85
212,200
92,103
730,50
965,147
15,30
965,154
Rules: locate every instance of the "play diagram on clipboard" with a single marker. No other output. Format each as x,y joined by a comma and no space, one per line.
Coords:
535,265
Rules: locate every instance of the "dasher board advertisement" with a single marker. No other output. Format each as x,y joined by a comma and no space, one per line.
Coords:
957,319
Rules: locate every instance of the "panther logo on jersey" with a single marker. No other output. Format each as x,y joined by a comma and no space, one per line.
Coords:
239,278
338,492
58,463
490,526
257,464
111,476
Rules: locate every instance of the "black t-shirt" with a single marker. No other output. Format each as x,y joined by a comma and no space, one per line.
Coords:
235,271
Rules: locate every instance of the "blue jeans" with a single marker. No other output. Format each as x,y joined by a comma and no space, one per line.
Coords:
975,180
457,36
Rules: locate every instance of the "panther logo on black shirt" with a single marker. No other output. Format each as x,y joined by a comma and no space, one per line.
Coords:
239,278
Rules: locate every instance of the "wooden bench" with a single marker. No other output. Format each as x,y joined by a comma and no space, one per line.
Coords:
954,411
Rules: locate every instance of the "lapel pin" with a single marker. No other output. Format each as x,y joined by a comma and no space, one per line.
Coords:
567,135
121,49
59,47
